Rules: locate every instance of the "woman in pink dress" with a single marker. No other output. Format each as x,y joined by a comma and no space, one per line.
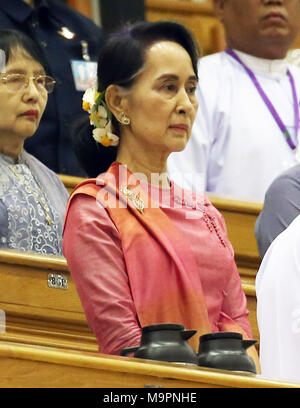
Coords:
140,249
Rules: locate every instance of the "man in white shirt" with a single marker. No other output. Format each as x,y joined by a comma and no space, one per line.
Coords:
278,306
245,132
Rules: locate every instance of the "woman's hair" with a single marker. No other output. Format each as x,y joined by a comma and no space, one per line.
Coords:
11,40
93,157
123,53
120,60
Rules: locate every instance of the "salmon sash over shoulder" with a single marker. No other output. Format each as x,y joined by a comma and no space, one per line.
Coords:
161,268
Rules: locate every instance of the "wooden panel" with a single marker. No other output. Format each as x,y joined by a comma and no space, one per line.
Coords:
70,182
41,367
37,313
240,218
198,17
250,293
296,43
83,7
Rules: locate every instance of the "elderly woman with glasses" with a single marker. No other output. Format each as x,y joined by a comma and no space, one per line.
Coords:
32,197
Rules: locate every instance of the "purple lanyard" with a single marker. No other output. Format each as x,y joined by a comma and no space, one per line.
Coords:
269,103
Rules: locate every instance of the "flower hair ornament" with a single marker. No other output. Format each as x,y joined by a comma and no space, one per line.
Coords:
93,102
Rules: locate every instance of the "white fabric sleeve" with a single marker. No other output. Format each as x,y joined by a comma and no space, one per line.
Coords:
278,306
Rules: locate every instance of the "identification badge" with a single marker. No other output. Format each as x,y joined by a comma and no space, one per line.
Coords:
2,62
84,74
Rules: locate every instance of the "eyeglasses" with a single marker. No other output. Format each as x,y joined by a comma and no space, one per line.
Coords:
17,82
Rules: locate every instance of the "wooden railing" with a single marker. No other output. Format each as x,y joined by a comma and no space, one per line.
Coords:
27,366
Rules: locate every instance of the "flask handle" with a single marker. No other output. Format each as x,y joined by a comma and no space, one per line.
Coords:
128,350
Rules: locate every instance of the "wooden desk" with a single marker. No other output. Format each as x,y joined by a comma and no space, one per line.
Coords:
43,315
24,366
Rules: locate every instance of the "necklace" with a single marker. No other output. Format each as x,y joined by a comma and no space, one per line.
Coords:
269,104
39,199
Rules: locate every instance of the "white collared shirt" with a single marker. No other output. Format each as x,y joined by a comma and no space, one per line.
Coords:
278,306
276,68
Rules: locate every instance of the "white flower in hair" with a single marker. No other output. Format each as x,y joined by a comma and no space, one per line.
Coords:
93,102
105,137
88,99
102,112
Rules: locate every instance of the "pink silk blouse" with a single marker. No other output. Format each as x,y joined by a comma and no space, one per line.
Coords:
93,249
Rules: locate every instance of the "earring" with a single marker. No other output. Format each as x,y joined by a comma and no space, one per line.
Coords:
124,119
